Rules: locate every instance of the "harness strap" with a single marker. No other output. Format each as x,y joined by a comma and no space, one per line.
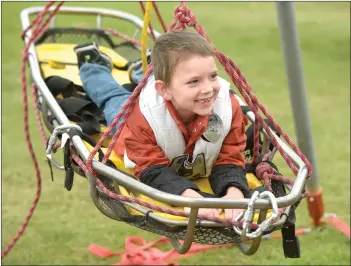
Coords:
67,88
250,131
291,244
85,113
76,104
68,166
74,132
245,109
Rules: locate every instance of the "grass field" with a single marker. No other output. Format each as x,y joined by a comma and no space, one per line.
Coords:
65,223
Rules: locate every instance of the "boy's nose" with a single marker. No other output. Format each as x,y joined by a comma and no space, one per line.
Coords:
207,89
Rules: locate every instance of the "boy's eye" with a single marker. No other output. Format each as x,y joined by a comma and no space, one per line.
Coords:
193,81
214,75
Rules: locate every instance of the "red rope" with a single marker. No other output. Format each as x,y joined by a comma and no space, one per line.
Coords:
37,31
123,36
43,28
38,19
256,142
37,171
37,114
162,22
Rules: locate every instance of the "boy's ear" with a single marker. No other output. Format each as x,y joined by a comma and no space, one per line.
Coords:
163,90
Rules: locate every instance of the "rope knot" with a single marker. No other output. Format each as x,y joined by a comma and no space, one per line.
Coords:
263,172
264,168
185,16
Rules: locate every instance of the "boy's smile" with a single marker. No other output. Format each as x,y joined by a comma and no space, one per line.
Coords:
193,88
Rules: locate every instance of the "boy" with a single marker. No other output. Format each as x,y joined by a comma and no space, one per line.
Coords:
185,125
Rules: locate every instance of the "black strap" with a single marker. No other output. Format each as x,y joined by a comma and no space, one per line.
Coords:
59,85
291,244
249,148
51,172
250,133
85,113
67,159
76,104
245,109
75,132
130,86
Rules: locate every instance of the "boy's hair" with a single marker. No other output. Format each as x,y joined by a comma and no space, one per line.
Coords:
171,46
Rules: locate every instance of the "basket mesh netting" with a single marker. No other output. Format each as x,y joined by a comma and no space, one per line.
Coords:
202,235
81,36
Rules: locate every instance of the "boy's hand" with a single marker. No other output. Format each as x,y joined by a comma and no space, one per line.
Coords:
193,193
233,193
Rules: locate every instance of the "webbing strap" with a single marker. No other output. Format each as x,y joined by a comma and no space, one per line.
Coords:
339,224
139,252
68,166
77,106
84,113
291,244
59,85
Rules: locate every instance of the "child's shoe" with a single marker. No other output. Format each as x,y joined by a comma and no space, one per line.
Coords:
89,53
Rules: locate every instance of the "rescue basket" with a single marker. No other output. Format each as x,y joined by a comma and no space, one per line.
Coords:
77,123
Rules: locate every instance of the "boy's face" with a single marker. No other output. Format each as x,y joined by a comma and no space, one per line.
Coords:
193,88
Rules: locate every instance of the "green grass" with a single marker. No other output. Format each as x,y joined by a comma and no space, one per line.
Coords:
65,223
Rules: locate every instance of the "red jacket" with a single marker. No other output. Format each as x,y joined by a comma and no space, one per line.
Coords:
139,142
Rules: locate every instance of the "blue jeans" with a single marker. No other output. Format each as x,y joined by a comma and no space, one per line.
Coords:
103,89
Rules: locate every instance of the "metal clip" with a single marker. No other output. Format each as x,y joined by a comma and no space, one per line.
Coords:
275,212
247,215
244,233
53,138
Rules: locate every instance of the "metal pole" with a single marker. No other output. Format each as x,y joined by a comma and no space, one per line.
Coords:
297,91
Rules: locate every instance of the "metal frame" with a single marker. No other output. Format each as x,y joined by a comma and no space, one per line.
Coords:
124,179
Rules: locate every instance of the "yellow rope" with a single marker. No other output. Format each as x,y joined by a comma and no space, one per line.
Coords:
144,34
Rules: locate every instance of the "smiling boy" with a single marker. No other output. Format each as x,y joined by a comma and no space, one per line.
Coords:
185,125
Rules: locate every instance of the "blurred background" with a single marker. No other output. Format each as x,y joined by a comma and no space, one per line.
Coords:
65,223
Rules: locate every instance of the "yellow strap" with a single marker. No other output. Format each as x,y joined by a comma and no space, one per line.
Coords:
144,34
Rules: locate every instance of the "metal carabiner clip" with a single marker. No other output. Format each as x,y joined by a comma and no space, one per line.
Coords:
52,140
247,216
275,212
